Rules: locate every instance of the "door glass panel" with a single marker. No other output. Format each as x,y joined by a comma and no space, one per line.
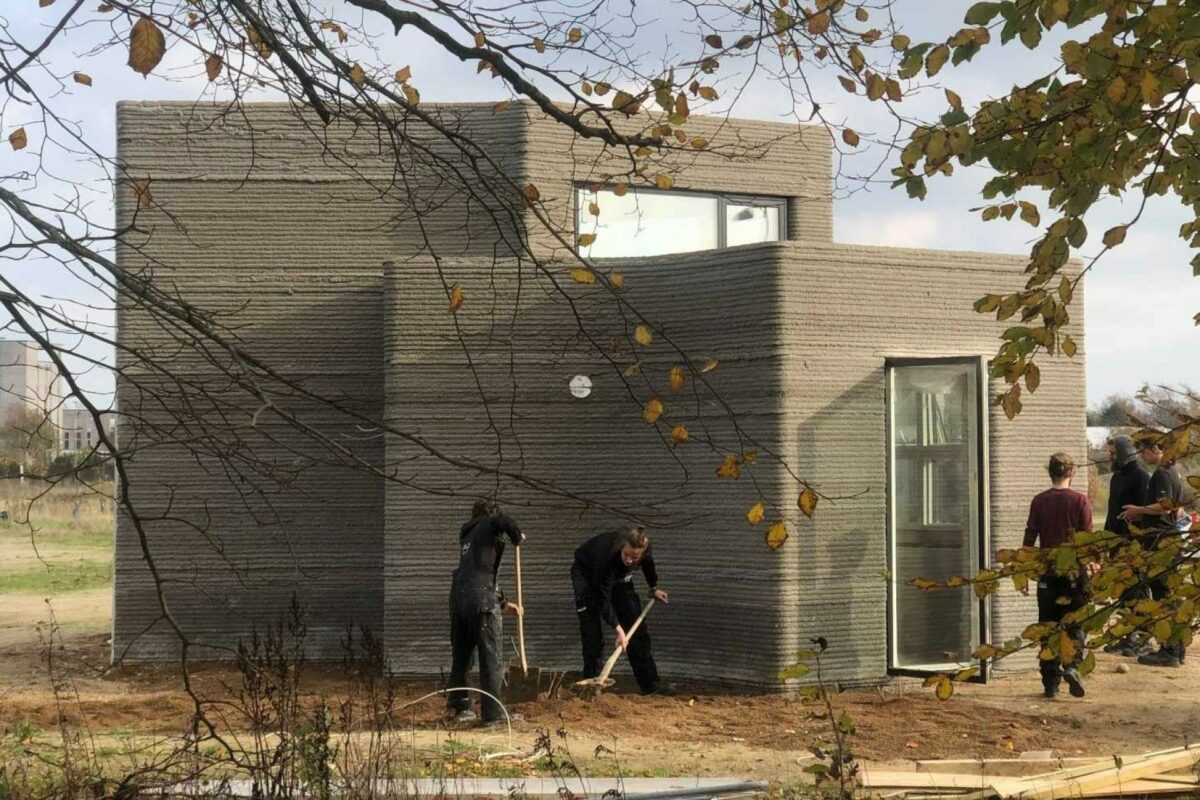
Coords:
934,495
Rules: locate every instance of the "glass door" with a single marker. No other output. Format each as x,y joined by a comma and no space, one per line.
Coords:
937,503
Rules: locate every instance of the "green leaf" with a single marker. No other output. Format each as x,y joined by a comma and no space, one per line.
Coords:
981,13
794,672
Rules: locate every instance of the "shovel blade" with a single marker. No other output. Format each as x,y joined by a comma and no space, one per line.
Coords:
524,687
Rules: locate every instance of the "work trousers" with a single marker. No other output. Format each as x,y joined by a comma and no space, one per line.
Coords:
471,632
627,607
1158,591
1051,587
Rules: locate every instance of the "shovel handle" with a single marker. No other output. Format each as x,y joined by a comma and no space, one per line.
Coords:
612,660
521,616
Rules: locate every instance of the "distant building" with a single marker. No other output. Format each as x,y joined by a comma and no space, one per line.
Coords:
28,382
78,433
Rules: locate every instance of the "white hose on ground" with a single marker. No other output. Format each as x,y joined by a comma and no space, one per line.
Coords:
507,719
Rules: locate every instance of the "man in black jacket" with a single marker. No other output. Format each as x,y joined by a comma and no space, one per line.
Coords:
1130,482
475,606
602,579
1129,486
1157,518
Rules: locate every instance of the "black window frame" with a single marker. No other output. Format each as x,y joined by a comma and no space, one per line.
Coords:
723,202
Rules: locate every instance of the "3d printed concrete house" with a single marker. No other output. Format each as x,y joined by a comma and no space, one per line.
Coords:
863,367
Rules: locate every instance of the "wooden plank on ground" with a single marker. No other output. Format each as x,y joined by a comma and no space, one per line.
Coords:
937,782
1093,780
1007,767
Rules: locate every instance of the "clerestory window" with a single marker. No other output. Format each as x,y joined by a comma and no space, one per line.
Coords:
647,222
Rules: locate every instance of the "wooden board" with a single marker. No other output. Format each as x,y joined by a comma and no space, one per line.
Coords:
1007,767
1092,781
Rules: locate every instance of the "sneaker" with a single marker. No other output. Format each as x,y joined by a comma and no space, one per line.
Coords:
1074,682
1050,692
662,690
1136,650
1159,658
465,715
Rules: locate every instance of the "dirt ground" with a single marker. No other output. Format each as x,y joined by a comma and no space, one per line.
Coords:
702,731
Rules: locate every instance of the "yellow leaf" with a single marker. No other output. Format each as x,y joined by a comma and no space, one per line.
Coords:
146,46
500,107
142,188
850,137
699,143
708,93
625,103
412,95
755,514
456,298
531,192
643,336
954,100
44,3
633,369
539,45
1115,90
357,76
936,59
807,502
212,67
1068,346
652,411
574,35
776,535
848,84
731,467
480,39
580,275
83,78
18,139
710,365
620,189
945,689
679,434
664,181
677,378
1033,377
1114,236
750,456
1066,648
586,239
403,74
594,209
616,279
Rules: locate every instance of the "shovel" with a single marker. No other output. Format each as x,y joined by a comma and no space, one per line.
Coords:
598,684
523,683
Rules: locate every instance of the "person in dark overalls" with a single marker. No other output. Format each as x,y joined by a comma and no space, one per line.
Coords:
476,603
1055,516
602,580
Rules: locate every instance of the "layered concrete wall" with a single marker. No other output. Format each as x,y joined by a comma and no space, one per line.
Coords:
580,461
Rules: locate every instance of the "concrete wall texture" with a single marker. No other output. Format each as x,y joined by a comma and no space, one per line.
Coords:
282,234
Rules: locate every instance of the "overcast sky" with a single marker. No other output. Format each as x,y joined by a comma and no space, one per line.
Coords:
1140,300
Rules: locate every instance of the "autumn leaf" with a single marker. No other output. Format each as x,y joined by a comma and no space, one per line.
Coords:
945,689
616,279
412,95
750,456
1033,377
847,84
679,434
580,275
539,45
625,103
755,514
924,584
714,41
18,139
1068,346
83,78
643,336
678,378
574,35
142,188
403,74
1114,236
664,182
585,239
850,137
633,369
212,66
652,411
357,76
818,23
776,535
807,502
731,467
531,193
1066,648
937,59
456,298
146,46
710,365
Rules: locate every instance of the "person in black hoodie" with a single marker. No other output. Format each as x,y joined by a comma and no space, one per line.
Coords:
475,606
1129,485
602,580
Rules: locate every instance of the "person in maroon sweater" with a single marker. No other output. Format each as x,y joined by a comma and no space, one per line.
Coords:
1055,515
